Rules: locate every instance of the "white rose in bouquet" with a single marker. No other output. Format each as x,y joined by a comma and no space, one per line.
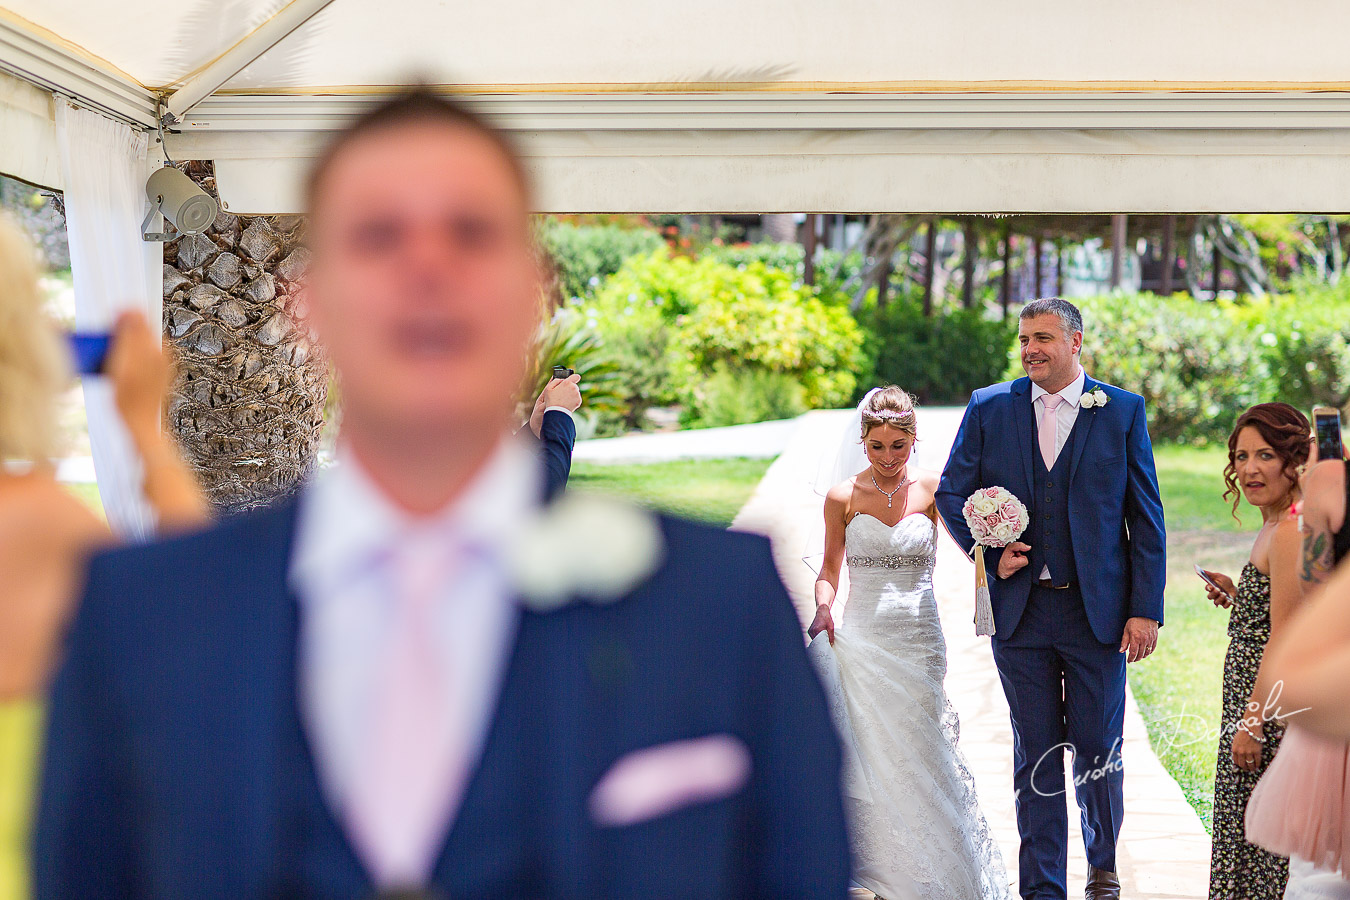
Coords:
983,505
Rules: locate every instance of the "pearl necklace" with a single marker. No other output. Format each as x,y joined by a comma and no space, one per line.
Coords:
891,496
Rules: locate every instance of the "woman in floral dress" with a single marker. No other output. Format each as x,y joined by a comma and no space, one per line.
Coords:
1265,450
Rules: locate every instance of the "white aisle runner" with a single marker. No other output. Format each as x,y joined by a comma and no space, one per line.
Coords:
1164,850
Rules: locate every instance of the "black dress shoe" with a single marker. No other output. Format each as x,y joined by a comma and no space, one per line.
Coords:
1102,885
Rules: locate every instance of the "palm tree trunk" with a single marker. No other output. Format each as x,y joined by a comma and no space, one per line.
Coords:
248,405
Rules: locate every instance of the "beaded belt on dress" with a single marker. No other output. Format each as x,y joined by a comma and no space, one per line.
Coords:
894,562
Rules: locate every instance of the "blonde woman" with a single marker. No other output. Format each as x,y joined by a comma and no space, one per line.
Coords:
45,532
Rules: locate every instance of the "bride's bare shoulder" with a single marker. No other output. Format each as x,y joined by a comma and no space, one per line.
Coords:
840,495
928,478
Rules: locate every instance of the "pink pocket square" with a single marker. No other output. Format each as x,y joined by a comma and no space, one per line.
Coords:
662,779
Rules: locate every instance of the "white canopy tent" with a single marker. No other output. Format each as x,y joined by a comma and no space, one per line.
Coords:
754,106
696,106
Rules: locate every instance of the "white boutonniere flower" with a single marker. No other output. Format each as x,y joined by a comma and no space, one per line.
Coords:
1094,398
587,546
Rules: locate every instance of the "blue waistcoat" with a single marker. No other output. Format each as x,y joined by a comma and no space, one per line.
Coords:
1049,537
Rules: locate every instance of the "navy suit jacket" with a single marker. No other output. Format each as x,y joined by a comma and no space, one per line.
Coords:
176,767
557,438
1115,512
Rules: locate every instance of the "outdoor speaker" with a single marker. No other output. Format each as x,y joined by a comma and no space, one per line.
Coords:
190,209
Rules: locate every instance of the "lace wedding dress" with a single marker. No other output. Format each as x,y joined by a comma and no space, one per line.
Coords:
915,822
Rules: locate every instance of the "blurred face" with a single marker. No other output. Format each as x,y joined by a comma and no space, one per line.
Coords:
1049,354
1260,470
423,285
888,449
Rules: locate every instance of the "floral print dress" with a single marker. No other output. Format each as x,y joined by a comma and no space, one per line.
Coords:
1240,870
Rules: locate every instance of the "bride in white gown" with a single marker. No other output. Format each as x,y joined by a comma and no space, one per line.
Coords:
915,822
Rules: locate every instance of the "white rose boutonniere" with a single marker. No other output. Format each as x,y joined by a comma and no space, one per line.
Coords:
586,546
1094,398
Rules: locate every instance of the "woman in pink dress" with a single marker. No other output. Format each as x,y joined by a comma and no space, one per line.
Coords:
1299,807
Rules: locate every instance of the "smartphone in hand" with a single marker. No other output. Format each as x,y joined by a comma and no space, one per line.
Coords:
1327,428
90,351
1210,581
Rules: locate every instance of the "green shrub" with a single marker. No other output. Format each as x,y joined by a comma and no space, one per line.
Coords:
735,397
674,323
1199,365
787,256
630,312
834,269
758,318
586,255
1195,364
941,358
1304,338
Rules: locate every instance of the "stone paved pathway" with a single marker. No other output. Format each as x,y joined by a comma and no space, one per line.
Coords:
1164,851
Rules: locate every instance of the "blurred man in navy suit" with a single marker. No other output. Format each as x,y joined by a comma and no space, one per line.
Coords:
345,696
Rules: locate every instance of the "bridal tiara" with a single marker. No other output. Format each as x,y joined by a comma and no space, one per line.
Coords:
890,414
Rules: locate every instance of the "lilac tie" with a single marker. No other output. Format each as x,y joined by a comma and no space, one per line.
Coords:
415,758
1049,429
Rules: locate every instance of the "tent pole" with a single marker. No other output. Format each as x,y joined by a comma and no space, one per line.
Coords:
233,61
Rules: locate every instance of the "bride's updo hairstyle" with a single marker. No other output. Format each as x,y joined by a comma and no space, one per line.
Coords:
889,406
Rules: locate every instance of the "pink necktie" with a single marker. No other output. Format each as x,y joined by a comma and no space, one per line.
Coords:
414,765
1049,429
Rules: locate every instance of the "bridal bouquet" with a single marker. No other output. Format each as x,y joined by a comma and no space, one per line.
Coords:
996,518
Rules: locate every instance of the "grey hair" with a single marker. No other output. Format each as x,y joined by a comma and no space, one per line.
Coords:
1069,316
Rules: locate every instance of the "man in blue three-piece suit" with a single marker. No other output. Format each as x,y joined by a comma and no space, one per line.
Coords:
364,691
1079,595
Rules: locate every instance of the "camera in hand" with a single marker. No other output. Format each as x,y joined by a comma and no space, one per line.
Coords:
562,372
90,351
1327,427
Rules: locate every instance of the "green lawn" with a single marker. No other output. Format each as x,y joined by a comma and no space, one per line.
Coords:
1179,688
708,490
1191,479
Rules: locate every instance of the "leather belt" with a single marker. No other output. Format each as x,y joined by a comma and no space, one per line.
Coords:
1050,585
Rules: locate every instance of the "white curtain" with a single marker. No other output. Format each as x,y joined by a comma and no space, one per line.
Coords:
103,168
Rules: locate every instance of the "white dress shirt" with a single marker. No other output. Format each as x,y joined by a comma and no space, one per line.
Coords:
345,525
1066,414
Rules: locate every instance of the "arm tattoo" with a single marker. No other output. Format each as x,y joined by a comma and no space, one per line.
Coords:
1317,557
